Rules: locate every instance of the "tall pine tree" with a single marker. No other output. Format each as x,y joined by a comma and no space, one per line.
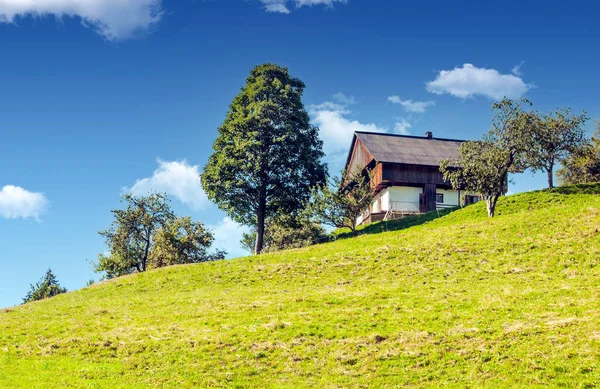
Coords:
267,156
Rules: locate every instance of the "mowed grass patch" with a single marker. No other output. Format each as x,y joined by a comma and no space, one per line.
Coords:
457,301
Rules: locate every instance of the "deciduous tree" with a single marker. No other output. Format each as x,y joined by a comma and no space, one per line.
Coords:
182,241
147,234
340,203
583,164
484,165
553,138
267,156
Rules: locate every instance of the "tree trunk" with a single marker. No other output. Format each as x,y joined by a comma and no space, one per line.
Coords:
491,205
260,221
550,179
146,253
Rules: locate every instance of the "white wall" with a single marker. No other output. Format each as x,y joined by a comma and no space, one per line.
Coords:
451,197
402,198
385,199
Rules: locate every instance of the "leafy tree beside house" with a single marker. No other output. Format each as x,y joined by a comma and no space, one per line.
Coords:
147,234
552,138
583,164
340,203
484,165
267,156
47,286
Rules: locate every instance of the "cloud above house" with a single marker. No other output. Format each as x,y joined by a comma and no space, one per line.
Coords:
337,126
113,19
402,127
287,6
19,203
411,106
228,235
178,179
468,81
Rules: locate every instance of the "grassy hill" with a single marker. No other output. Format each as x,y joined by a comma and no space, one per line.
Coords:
459,301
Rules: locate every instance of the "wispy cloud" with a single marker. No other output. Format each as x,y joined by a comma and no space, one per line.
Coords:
114,19
176,178
468,81
411,106
516,70
343,99
337,127
286,6
19,203
402,127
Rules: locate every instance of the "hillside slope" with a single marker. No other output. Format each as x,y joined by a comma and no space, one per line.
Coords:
460,301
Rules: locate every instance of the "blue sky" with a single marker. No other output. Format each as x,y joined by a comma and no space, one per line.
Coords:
102,96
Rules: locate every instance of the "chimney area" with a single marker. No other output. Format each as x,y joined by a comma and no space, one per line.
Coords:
429,135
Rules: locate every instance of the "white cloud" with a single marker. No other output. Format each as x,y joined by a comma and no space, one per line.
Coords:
16,202
278,6
178,179
343,99
336,128
516,70
469,81
411,106
281,6
402,127
114,19
228,235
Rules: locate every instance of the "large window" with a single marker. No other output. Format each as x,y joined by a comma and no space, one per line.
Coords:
439,198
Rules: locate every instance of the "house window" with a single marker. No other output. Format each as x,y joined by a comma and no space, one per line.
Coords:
439,198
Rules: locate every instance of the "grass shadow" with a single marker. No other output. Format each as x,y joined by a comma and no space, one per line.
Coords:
397,224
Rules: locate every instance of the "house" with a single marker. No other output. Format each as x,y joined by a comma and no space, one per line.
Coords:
406,175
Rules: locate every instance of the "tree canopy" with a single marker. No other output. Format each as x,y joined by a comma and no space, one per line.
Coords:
147,234
583,164
267,156
484,165
47,286
552,138
340,203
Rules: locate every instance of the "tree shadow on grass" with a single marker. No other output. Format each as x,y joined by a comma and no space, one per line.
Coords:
397,224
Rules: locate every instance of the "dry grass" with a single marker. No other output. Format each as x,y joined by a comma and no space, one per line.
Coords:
460,301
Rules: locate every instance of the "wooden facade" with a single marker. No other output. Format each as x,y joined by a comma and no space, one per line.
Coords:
405,161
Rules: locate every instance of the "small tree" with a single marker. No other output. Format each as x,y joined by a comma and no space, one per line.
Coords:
267,156
130,235
46,287
484,165
583,165
147,234
553,137
342,202
182,241
287,232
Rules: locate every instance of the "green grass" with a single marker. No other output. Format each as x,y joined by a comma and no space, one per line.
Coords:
459,301
393,225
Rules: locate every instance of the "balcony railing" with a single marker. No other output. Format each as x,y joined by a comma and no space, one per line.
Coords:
404,206
445,206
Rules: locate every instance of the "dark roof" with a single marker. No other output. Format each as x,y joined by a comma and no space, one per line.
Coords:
408,149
